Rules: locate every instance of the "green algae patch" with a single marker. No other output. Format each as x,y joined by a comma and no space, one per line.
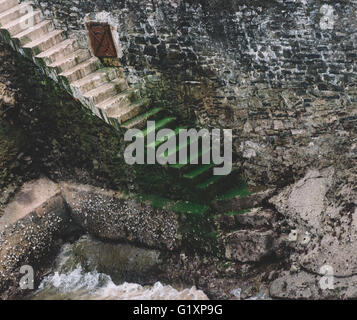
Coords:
184,207
154,200
190,208
196,226
199,233
240,191
141,117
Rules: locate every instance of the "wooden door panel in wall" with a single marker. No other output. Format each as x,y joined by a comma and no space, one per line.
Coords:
101,40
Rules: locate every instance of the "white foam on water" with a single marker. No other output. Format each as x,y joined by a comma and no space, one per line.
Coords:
79,285
131,291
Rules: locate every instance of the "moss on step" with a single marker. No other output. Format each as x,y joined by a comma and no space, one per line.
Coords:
177,149
190,208
141,117
235,213
143,103
190,159
199,233
157,143
175,206
198,171
209,182
158,125
196,226
242,190
154,200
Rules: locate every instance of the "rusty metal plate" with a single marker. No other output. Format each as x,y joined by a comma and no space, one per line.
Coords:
101,40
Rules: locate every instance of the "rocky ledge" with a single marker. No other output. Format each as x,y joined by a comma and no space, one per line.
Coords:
298,244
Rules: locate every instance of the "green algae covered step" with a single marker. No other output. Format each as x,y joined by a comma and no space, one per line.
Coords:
237,213
157,143
198,171
177,149
175,206
240,191
140,118
194,157
211,181
155,200
190,207
159,125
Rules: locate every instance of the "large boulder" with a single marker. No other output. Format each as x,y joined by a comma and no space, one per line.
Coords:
320,222
321,209
303,202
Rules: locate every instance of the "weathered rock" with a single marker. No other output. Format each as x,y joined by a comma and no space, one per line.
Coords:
110,215
321,211
30,233
122,262
288,286
336,249
303,202
6,97
248,246
240,203
256,218
31,195
304,285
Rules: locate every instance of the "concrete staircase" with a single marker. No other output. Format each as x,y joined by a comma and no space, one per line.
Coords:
102,90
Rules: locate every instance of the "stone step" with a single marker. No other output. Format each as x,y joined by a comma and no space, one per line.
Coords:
179,147
141,119
15,13
197,172
175,206
190,207
23,23
105,91
159,125
114,105
82,70
45,42
59,51
241,198
242,190
95,79
35,32
196,156
252,218
7,4
210,187
157,143
209,182
130,111
71,60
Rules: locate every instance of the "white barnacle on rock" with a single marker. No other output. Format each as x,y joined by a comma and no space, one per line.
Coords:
328,19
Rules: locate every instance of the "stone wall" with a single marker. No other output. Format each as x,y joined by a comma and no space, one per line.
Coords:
281,74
